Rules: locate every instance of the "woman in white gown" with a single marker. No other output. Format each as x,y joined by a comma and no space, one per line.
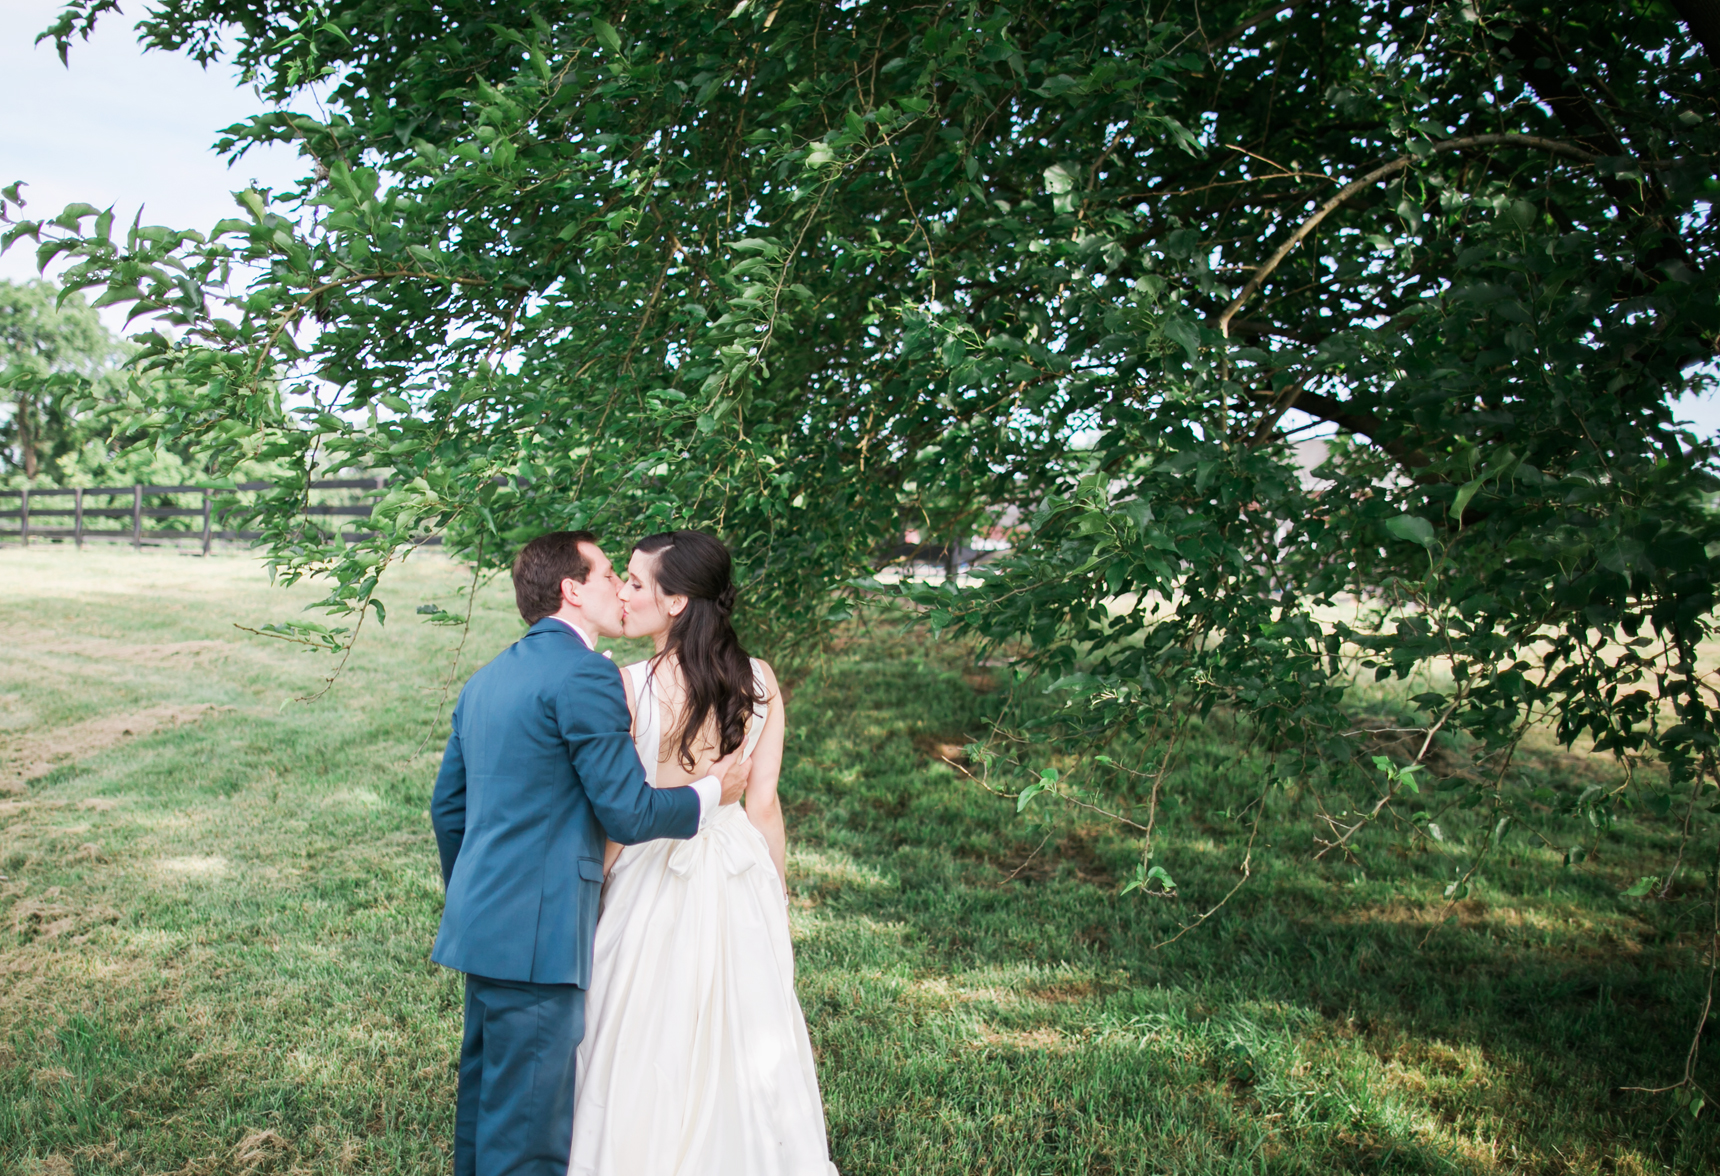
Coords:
696,1059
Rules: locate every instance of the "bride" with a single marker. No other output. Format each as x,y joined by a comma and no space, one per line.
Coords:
696,1060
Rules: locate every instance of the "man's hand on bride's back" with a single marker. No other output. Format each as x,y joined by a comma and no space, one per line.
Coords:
732,770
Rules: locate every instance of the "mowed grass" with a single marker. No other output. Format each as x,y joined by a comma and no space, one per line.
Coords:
214,931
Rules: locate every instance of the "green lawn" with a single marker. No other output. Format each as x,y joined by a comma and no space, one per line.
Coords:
214,930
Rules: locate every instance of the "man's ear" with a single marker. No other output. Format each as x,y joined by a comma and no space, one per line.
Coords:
570,589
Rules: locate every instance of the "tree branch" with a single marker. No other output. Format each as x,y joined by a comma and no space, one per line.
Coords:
1254,283
1223,39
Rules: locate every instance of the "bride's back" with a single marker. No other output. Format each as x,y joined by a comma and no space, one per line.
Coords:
666,681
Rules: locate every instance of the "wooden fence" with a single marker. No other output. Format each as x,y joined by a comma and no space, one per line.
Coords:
44,513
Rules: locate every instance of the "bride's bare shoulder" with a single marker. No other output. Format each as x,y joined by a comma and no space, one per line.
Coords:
768,676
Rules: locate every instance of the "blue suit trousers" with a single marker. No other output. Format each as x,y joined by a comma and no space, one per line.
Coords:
515,1110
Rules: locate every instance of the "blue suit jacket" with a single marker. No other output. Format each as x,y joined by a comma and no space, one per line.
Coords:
539,768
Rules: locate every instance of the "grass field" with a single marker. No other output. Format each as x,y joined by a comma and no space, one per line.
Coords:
216,906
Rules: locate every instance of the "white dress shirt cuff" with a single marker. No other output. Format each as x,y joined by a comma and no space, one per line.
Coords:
710,792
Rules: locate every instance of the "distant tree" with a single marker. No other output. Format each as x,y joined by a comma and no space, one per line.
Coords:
42,337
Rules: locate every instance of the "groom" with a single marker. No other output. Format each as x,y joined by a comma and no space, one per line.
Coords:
539,768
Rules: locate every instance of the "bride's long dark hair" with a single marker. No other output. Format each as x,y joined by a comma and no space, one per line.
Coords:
715,670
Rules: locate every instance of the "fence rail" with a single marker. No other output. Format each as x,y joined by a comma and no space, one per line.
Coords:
49,503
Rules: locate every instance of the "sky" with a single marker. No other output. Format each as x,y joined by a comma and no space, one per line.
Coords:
120,127
131,129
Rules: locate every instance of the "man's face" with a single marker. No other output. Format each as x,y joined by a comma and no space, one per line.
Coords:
599,598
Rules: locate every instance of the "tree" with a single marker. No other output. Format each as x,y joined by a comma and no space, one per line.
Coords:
808,273
41,338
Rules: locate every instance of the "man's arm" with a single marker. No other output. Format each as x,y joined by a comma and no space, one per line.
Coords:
448,802
591,711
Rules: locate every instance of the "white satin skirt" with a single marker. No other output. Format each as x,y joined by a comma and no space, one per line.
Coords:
696,1059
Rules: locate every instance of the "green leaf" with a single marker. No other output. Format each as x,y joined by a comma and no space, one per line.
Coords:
606,34
1181,331
74,214
1413,529
1057,86
252,201
1465,494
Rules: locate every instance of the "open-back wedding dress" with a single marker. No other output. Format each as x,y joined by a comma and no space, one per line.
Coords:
696,1059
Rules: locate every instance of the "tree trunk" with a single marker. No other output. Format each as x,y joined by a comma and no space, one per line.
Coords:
25,442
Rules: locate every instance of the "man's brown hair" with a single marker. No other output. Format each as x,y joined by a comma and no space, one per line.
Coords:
542,565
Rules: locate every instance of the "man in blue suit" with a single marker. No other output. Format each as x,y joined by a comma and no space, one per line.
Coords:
539,769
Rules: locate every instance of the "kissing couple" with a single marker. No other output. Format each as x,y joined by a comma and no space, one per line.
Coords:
617,911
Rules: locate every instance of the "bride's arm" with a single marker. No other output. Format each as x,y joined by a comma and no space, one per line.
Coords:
764,807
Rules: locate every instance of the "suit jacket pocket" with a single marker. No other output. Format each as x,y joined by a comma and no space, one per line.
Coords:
591,869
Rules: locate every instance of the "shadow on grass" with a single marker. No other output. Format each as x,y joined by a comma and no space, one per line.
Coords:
1306,1027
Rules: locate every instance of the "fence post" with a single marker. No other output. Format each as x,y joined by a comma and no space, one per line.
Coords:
137,518
24,516
205,522
78,517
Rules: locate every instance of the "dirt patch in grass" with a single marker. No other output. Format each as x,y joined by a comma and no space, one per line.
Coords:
1075,852
1064,992
40,753
944,747
202,866
980,681
1025,862
52,914
181,653
259,1148
1595,937
1082,848
1045,1039
1467,912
